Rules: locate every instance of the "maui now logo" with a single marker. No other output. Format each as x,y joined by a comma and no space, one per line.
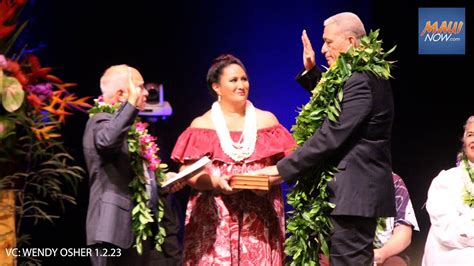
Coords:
441,31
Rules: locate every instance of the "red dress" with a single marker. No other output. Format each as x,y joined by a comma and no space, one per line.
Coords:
237,229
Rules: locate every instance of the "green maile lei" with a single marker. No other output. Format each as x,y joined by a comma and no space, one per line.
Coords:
468,196
309,226
143,153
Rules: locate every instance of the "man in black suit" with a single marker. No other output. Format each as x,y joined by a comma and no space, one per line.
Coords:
359,144
109,228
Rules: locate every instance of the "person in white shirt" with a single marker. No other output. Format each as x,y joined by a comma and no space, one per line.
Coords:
450,205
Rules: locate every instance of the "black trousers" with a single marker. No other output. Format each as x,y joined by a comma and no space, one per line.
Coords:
351,241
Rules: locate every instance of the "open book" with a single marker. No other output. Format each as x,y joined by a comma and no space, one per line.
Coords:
187,172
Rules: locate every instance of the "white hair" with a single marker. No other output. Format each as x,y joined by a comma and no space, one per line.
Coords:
470,120
113,79
349,23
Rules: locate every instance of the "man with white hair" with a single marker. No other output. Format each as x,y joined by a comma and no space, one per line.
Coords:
109,219
358,144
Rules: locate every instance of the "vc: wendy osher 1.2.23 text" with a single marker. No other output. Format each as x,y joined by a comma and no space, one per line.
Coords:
63,252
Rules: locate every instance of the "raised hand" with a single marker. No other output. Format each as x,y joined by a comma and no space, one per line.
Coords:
134,92
309,60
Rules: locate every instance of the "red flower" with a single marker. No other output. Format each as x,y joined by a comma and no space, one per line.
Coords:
7,15
15,69
34,100
37,72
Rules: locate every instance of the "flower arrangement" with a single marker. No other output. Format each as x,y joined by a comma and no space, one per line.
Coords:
143,152
34,105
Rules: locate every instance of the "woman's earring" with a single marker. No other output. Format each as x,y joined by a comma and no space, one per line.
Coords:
218,98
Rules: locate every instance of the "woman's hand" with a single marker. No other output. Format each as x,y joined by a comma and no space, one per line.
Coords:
222,184
176,186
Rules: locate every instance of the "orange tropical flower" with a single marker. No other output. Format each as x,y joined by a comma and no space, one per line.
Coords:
62,100
64,86
44,133
59,112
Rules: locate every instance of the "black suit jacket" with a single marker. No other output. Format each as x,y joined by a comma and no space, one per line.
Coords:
359,144
108,162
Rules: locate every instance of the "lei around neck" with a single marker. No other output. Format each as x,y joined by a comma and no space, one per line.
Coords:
309,225
143,153
245,146
468,196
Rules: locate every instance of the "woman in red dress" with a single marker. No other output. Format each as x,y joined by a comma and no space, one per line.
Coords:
225,226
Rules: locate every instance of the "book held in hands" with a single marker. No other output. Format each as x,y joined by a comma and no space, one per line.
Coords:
187,172
243,181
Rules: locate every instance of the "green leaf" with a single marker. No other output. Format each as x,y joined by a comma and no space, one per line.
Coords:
331,117
7,127
340,94
139,246
333,110
135,209
143,219
390,51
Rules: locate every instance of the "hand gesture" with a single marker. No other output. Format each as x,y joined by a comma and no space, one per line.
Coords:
309,60
134,92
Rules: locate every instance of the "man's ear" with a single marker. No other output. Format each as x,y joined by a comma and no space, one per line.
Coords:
120,95
353,41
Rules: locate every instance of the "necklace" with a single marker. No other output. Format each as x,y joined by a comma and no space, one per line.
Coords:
468,183
245,146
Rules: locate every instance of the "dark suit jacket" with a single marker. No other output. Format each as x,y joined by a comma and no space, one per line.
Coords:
108,162
359,144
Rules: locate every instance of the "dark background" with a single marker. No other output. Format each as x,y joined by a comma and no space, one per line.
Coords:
174,42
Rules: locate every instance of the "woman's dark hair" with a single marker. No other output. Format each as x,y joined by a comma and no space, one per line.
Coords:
215,71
